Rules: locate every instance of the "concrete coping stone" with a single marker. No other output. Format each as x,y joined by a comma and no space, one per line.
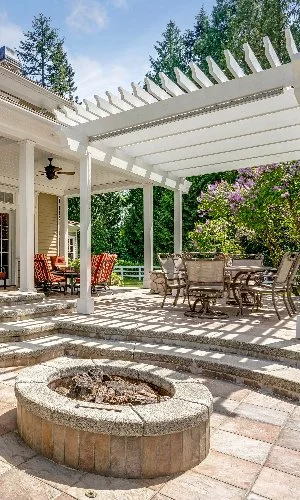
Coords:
189,405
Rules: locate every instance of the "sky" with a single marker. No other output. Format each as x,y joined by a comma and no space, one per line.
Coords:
108,41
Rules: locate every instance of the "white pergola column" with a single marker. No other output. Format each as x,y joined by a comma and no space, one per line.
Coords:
85,304
63,227
298,327
177,221
148,234
26,215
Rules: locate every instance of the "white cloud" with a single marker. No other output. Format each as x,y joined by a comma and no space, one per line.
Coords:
95,77
87,16
10,34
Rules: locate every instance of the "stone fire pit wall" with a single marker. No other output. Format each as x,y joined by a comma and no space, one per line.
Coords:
143,441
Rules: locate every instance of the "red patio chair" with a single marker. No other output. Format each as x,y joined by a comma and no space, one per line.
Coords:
43,276
101,278
3,276
102,266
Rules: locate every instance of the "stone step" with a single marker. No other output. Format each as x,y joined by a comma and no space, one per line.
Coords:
111,329
11,297
276,377
24,310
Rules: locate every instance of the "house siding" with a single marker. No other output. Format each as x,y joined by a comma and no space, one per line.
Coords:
48,224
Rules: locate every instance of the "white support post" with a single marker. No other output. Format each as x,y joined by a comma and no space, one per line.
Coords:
148,234
63,227
298,327
85,304
26,215
177,221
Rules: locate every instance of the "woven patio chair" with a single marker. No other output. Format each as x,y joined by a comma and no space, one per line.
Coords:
205,283
281,285
174,274
43,276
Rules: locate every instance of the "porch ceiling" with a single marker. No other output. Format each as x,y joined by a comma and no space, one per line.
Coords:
103,178
180,130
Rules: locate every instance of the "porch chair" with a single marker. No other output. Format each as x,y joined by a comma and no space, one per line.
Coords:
174,274
205,283
58,262
43,276
281,285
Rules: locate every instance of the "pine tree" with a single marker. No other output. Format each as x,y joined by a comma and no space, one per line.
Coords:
43,58
170,54
197,40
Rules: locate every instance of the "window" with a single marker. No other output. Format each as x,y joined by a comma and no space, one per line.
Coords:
71,248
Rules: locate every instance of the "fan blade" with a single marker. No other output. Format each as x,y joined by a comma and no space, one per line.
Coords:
57,169
66,173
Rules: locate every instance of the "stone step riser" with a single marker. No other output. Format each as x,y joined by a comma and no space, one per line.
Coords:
242,375
231,347
20,298
35,314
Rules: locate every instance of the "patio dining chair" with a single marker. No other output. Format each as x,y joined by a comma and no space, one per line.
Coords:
205,283
281,285
43,276
58,262
102,267
174,274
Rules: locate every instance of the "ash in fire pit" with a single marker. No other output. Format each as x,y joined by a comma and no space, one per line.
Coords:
98,387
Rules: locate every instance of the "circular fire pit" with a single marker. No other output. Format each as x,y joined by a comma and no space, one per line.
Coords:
142,440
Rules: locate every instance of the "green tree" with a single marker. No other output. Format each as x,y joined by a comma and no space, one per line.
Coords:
197,40
43,58
170,54
106,217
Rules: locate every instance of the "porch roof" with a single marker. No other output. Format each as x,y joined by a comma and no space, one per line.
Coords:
180,129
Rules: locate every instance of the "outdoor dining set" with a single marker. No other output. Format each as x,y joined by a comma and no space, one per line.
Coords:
60,276
242,280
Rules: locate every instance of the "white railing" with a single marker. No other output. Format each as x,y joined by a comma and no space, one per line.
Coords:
136,272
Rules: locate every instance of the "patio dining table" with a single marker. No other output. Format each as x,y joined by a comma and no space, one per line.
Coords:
70,277
247,273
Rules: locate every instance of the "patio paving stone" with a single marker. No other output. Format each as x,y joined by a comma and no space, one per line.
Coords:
289,438
251,428
108,488
240,446
285,460
196,486
13,450
16,484
267,415
276,485
229,469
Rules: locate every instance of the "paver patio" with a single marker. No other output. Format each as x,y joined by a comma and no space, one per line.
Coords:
255,436
252,456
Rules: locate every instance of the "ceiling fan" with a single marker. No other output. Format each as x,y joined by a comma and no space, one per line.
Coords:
52,172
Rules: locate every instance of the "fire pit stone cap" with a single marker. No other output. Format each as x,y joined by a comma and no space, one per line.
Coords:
189,405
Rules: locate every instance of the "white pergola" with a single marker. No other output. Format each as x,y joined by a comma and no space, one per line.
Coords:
188,128
166,133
